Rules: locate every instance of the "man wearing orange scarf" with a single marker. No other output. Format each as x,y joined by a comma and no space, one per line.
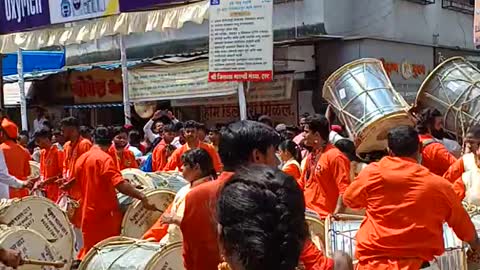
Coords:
16,157
124,158
397,233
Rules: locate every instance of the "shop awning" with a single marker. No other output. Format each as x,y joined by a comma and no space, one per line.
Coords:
33,61
11,93
94,106
123,24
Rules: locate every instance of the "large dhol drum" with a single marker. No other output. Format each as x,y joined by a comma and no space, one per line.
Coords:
316,228
169,180
120,253
31,245
366,102
341,236
137,178
42,216
137,220
453,89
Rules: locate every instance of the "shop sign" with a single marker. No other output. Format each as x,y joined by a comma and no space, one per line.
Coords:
62,11
173,82
241,40
406,69
132,5
277,90
17,16
96,86
280,112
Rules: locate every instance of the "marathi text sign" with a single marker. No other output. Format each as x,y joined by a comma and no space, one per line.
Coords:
476,24
62,11
132,5
96,86
277,90
179,81
16,16
241,40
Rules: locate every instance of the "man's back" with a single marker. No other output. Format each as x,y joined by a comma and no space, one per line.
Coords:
17,160
406,208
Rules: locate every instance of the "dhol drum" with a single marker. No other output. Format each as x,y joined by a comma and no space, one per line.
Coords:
119,253
138,178
31,244
316,228
341,236
137,220
43,216
453,88
34,170
169,180
366,102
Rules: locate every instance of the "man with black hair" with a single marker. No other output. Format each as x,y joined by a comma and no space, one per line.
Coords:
192,142
51,164
265,119
97,177
327,171
124,158
435,155
202,132
396,232
164,149
16,157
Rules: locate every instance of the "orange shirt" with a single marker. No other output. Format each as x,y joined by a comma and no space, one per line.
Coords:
175,161
159,229
125,160
395,193
435,156
51,165
17,159
314,259
292,169
455,171
324,181
97,176
159,156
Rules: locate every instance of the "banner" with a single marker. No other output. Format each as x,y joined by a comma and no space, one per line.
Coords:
96,86
62,11
178,81
133,5
476,24
241,40
277,90
17,16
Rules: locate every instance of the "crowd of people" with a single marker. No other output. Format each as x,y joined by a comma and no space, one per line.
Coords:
250,183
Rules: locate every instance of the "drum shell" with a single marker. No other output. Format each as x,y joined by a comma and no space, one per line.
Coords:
453,89
366,102
42,216
34,169
153,257
31,244
316,229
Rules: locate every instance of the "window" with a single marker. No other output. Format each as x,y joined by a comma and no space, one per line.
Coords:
423,2
464,6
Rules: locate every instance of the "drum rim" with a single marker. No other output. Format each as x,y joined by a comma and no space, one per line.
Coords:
104,243
139,173
431,76
137,202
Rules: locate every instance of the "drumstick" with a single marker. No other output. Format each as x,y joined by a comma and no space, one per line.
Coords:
43,263
349,217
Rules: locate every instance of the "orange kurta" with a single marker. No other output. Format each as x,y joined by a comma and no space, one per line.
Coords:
17,159
125,160
96,175
455,171
159,156
314,259
435,156
72,153
175,161
324,181
159,229
51,165
395,193
292,169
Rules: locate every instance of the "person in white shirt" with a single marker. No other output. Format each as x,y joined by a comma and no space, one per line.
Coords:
7,180
38,123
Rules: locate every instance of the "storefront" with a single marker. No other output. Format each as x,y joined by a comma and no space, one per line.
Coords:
442,54
406,64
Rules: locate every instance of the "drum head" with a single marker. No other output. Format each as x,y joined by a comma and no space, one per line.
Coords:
137,220
34,170
31,244
137,178
316,228
168,180
121,253
42,216
145,109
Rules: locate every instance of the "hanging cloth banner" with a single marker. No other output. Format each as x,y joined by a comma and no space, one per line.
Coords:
176,81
